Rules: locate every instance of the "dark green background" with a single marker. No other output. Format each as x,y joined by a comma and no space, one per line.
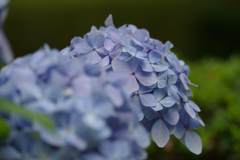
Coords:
206,34
196,28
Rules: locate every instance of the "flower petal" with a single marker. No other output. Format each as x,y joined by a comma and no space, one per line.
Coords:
121,66
83,47
159,67
146,78
181,76
114,94
154,57
148,100
132,84
96,39
91,58
167,102
180,130
172,116
194,106
108,45
193,142
117,50
109,21
104,62
141,136
160,133
159,93
146,66
189,110
158,107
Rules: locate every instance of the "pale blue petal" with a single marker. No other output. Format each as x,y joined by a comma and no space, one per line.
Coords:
194,106
91,58
144,89
146,66
189,110
148,100
159,93
172,79
181,76
101,50
116,149
146,78
117,50
141,54
104,62
162,75
109,21
141,136
172,116
93,122
96,39
177,64
158,107
121,66
180,130
140,116
114,95
160,133
83,47
6,54
170,72
132,83
159,67
115,37
193,142
154,57
161,83
109,45
167,102
134,63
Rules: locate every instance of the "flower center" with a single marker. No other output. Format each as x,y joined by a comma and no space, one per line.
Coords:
161,117
186,126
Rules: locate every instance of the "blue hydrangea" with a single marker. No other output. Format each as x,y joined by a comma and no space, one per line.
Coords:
6,55
93,114
103,92
157,79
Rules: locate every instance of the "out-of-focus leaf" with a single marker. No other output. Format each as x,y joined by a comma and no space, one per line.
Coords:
9,107
1,65
4,129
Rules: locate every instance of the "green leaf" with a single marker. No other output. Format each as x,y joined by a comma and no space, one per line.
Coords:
9,107
1,65
4,129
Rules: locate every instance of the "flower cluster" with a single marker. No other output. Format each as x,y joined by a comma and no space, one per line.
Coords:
6,55
157,79
93,115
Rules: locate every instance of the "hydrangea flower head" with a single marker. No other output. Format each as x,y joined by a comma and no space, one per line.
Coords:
90,122
157,79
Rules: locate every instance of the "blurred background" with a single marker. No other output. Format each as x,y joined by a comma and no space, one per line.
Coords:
205,34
